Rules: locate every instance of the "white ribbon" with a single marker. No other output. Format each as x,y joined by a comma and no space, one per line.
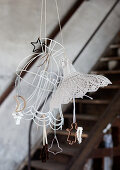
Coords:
74,115
45,141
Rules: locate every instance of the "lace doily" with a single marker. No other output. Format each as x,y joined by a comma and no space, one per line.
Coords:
75,85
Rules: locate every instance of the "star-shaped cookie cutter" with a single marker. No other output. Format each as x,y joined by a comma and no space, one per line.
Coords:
40,43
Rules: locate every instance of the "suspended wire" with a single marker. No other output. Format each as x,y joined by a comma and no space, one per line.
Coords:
31,110
44,3
45,25
59,21
41,20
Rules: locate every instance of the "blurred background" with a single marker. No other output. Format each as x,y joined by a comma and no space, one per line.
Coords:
91,37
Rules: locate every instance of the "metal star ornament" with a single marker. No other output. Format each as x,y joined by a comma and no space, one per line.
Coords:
37,45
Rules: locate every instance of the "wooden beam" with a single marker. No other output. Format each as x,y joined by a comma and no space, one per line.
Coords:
113,46
106,59
88,145
81,116
116,122
88,101
67,149
50,165
65,133
104,152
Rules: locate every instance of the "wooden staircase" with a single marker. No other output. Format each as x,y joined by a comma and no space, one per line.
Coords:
93,116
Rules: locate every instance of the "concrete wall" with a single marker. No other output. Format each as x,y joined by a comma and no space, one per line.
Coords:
13,139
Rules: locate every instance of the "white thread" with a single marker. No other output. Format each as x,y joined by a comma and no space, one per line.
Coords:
59,21
44,134
89,97
74,115
45,25
41,20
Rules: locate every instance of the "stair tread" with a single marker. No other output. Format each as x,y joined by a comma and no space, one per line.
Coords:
67,149
102,152
81,116
95,101
110,59
65,133
115,46
49,165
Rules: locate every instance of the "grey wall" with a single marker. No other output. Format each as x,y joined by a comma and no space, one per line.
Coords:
13,14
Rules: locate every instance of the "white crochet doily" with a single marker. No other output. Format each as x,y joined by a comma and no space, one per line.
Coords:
75,85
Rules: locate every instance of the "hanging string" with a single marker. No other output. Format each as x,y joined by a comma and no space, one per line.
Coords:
44,3
61,116
41,20
59,21
46,136
45,24
43,132
45,141
74,116
88,97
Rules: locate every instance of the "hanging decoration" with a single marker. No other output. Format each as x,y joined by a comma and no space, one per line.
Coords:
75,85
51,148
52,74
79,134
44,156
